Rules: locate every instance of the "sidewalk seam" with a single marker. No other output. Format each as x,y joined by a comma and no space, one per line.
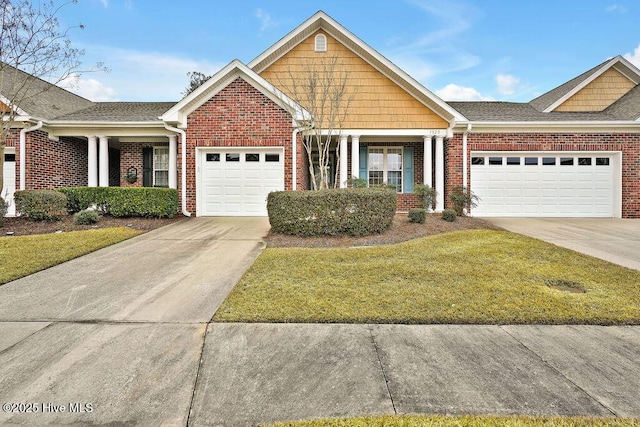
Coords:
195,383
546,363
384,374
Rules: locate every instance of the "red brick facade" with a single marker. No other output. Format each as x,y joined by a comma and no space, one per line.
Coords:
239,116
628,144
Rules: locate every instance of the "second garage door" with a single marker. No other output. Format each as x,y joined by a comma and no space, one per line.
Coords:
237,181
545,184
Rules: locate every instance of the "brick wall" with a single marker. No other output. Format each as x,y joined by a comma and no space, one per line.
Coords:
54,164
628,144
239,115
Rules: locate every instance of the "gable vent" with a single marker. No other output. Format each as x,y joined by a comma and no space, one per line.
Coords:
321,43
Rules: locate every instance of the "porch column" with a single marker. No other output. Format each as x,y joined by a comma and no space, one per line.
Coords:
103,172
343,161
173,161
92,166
355,156
428,161
440,173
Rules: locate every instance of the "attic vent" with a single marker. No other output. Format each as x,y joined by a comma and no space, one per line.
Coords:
321,43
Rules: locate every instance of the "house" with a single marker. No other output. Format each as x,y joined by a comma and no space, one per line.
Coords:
572,152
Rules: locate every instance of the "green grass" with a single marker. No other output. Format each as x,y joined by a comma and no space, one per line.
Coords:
24,255
463,421
468,277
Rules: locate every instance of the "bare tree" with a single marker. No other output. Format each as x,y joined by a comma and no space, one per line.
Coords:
34,54
196,79
322,88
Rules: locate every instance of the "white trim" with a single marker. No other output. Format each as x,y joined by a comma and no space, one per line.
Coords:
440,166
183,178
605,67
322,21
14,107
103,160
384,132
385,167
320,43
625,126
235,69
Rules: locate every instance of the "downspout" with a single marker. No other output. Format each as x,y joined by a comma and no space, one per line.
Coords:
23,153
183,138
294,153
464,157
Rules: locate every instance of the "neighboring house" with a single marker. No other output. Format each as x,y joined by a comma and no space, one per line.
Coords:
574,151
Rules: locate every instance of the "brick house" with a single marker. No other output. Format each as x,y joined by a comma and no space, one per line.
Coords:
572,152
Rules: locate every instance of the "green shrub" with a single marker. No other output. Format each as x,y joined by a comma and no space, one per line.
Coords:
86,217
449,215
358,182
348,211
4,207
463,198
426,194
418,215
41,205
124,201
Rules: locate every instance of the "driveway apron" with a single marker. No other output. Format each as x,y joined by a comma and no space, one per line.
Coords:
116,336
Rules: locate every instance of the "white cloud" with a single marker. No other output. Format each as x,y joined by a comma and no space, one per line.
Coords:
141,76
105,3
88,88
453,92
634,57
507,84
265,19
616,8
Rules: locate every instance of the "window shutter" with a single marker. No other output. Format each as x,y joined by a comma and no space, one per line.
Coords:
364,154
147,167
407,163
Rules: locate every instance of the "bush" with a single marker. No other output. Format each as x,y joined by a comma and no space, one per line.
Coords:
356,182
426,194
41,205
349,211
86,217
417,215
124,201
4,207
463,197
449,215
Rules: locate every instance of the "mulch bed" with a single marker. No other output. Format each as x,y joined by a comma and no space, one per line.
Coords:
400,231
21,226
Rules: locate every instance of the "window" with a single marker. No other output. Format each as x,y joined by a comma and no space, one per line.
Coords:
495,160
584,161
9,157
213,157
272,157
477,160
232,157
385,167
321,43
529,161
252,157
548,161
160,166
513,160
566,161
602,161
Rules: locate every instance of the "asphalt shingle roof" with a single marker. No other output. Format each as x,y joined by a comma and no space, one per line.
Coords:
516,112
627,107
120,112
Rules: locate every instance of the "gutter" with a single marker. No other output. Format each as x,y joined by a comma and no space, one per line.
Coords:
464,154
183,141
23,153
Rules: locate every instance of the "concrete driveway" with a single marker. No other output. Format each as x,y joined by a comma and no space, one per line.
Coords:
116,336
612,239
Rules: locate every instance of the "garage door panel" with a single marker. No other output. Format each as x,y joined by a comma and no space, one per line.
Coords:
563,189
239,188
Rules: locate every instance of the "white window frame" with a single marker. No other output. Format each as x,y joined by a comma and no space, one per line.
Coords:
157,169
320,43
385,165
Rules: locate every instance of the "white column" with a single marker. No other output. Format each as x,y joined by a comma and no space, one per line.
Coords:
103,171
428,162
355,156
92,166
343,161
173,161
440,173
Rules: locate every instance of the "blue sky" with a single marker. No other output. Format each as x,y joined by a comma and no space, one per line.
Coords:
459,49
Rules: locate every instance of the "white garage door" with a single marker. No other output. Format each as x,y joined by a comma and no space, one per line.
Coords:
236,181
544,184
9,179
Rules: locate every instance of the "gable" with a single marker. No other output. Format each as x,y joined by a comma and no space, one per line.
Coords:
376,101
599,94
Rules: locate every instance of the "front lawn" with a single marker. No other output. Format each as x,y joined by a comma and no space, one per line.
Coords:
468,277
24,255
463,421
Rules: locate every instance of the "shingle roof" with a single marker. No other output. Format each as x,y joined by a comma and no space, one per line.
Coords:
120,112
627,107
515,112
37,97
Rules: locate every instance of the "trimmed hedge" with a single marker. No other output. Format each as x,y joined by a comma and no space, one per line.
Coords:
4,208
86,217
41,205
348,211
124,201
417,215
449,215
